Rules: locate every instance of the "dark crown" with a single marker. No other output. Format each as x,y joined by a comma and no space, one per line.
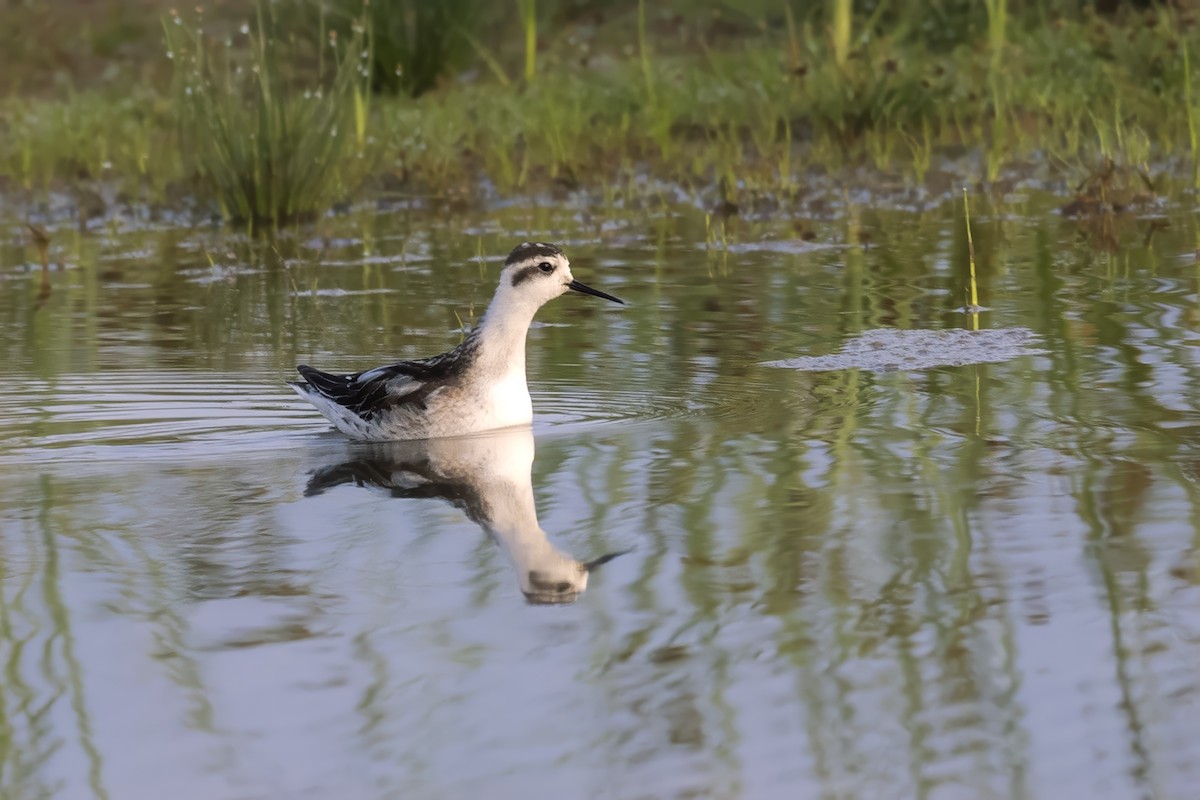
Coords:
527,250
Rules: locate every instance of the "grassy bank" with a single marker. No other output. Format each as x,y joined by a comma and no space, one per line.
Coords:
735,107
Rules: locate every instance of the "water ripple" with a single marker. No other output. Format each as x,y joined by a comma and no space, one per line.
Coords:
574,402
144,414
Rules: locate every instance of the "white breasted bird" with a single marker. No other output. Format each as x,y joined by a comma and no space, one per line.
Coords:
479,385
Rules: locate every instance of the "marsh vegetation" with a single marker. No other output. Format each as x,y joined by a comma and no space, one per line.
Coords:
278,111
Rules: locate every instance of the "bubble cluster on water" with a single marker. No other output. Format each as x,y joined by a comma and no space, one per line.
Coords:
890,349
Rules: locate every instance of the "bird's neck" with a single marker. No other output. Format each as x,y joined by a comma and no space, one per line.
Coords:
503,330
511,520
501,471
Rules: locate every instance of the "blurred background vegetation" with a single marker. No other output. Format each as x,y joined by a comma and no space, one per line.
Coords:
273,111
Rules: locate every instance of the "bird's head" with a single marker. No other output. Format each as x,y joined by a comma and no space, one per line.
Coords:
536,272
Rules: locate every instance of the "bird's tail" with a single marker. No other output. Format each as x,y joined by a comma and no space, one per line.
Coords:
322,383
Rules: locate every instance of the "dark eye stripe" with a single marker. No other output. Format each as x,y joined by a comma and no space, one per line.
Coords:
525,274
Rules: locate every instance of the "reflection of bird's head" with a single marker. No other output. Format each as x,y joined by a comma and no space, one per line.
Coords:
558,578
555,583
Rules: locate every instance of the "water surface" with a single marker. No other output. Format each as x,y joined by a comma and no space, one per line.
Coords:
963,578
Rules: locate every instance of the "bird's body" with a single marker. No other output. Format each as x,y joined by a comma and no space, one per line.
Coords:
479,385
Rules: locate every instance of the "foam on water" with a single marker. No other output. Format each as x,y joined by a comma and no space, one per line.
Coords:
890,349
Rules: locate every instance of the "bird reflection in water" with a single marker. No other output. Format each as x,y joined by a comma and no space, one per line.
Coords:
488,476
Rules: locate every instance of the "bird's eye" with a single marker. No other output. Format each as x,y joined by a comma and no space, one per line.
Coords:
546,267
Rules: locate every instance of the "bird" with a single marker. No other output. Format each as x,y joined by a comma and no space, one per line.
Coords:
479,385
488,476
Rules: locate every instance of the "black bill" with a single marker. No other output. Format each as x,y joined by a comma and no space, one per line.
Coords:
583,287
591,565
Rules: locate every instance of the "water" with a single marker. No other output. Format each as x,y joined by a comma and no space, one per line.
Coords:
942,575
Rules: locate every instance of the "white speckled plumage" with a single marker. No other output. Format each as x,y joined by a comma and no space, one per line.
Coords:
479,385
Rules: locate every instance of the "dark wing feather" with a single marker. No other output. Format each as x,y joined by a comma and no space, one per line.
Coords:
366,394
403,472
406,383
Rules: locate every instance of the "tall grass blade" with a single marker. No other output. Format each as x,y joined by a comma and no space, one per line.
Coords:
527,9
840,30
972,288
997,13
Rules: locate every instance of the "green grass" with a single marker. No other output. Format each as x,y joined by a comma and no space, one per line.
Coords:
269,151
739,118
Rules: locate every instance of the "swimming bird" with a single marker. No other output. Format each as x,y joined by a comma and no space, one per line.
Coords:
488,476
479,385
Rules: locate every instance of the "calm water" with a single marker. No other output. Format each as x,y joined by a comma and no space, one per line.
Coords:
935,579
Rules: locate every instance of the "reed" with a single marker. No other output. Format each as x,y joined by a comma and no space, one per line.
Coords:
527,11
972,285
841,23
270,152
997,32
